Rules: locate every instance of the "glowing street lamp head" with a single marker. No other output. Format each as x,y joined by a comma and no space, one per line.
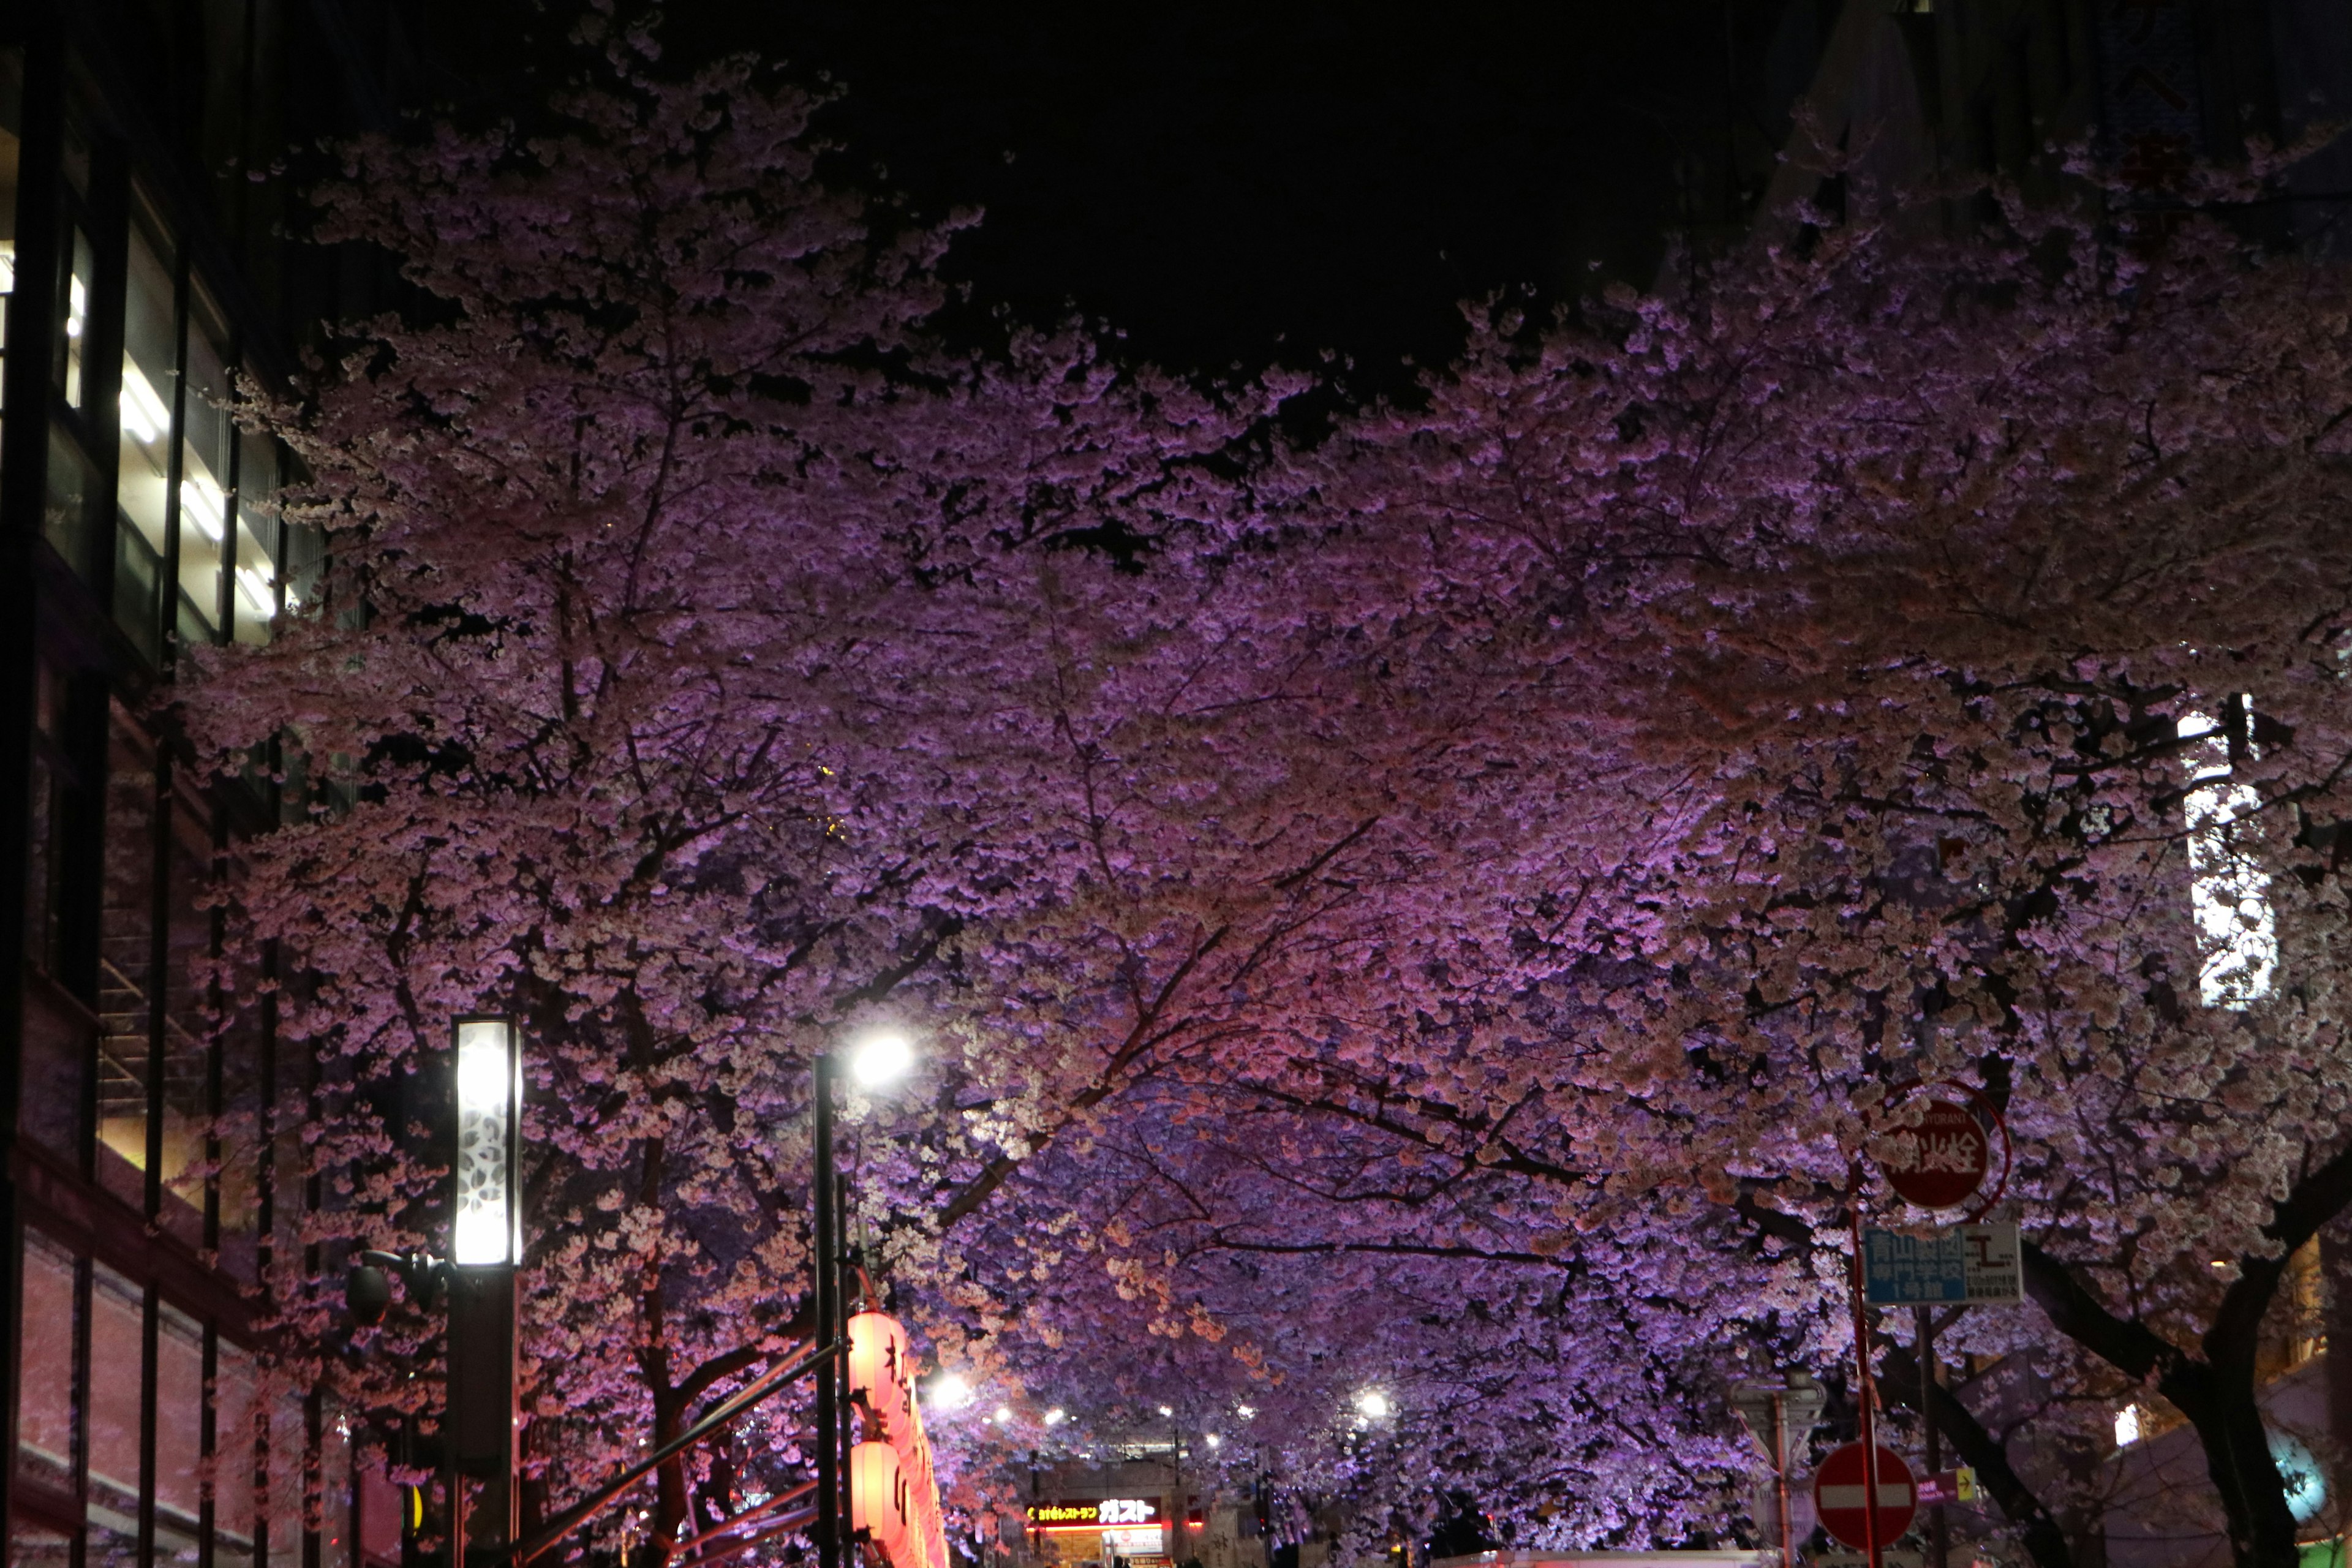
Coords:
949,1391
881,1057
1055,1417
487,1227
1374,1405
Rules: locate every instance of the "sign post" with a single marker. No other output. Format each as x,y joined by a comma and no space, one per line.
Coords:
1867,1451
1939,1161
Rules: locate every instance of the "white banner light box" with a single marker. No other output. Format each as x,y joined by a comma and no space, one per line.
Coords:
488,1228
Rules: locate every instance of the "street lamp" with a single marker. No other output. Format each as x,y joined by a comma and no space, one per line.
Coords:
876,1058
880,1057
485,1251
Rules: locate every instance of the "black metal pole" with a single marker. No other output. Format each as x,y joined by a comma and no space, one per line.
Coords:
826,1247
1938,1529
841,1307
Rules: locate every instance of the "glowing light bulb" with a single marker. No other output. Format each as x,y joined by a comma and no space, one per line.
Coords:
881,1057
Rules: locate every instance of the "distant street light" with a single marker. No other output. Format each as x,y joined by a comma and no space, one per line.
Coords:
1054,1417
1374,1405
950,1391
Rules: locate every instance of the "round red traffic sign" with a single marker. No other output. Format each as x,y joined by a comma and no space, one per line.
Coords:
1839,1489
1949,1156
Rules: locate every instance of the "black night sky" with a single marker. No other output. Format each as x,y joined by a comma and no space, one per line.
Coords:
1234,182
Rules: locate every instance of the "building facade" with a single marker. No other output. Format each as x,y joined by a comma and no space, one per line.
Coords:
152,1179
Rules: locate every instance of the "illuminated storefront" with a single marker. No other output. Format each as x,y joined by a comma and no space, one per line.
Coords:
1099,1529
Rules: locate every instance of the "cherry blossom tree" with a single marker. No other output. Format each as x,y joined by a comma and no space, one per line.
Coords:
1901,599
711,663
1442,910
1885,663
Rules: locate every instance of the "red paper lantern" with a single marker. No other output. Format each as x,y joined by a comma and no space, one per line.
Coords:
879,1365
877,1501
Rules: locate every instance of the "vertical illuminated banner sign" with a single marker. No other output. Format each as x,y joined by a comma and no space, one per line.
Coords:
485,1248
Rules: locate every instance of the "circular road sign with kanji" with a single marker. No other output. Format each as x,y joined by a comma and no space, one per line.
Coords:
1838,1496
1949,1157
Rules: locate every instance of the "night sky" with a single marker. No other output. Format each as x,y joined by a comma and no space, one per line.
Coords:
1237,182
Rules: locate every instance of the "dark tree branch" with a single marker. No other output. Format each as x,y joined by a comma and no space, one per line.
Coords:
1984,1453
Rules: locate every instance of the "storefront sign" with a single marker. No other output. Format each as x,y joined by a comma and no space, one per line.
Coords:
1095,1515
1135,1541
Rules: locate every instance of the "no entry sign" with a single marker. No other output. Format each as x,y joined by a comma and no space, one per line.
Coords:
1839,1496
1949,1157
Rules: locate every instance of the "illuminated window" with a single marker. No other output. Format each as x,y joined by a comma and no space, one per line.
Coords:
78,294
204,477
150,371
2229,891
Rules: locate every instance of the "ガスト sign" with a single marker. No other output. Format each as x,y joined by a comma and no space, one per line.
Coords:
1111,1510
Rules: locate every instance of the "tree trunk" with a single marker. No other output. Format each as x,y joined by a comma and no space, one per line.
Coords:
2222,1406
2044,1538
2336,1268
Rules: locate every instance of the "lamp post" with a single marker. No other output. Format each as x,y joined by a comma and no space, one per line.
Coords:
826,1265
485,1251
876,1060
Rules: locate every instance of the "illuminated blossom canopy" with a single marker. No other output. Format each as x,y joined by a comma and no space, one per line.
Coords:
1438,909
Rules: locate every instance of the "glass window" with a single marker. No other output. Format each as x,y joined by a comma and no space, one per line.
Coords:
179,1436
56,1045
205,474
306,562
37,1546
126,926
57,1033
187,1060
45,1413
254,602
72,491
236,1439
379,1504
48,816
335,1501
80,293
288,1471
12,71
238,1129
115,1335
151,363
